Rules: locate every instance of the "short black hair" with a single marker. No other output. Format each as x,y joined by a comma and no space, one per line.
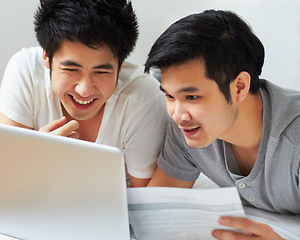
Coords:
221,39
91,22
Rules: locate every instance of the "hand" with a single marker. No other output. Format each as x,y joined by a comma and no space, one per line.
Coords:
252,229
62,128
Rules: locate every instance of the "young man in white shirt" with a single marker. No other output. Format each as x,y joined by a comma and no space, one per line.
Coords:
78,83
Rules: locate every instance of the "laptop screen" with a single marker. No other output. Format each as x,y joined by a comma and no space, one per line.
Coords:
55,187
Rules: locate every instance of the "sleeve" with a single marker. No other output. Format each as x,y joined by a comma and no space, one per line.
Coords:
16,90
144,136
175,159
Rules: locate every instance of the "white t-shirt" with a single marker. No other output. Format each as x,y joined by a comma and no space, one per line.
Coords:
134,119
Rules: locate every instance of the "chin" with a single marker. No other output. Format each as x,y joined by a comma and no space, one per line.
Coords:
198,144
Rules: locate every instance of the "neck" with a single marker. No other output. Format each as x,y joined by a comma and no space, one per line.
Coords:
88,129
247,130
246,133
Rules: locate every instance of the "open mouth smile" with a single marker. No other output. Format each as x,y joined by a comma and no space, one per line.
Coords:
82,102
190,131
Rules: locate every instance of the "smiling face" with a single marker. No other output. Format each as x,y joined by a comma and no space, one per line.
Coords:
196,104
83,78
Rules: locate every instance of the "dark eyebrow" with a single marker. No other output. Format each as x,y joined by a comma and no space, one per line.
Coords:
74,64
70,63
186,89
107,66
161,89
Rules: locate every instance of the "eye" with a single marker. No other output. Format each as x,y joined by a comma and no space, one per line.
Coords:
168,96
70,69
191,97
101,72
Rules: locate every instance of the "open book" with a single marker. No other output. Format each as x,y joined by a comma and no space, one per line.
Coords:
177,213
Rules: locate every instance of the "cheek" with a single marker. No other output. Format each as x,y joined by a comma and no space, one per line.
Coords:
61,84
213,116
170,108
200,113
106,86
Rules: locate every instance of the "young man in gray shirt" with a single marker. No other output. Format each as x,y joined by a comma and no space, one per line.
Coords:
230,125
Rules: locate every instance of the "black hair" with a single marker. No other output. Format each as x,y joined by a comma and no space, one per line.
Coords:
91,22
221,39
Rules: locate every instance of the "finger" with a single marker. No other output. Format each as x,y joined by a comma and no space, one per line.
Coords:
53,125
74,134
250,226
228,234
66,129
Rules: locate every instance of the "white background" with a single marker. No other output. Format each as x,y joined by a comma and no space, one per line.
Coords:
275,22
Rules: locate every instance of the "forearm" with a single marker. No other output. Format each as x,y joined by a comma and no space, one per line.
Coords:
161,179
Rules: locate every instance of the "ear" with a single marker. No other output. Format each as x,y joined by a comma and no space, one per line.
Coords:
241,86
46,59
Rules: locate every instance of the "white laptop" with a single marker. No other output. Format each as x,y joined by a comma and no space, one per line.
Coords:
58,188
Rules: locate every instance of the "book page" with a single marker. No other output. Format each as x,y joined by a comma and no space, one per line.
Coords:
177,213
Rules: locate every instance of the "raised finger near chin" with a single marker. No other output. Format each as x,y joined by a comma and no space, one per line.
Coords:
74,135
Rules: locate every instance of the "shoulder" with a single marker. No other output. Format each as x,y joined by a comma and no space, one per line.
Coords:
137,102
285,112
29,56
292,132
283,101
26,63
135,84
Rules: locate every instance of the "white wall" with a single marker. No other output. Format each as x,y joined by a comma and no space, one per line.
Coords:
16,26
275,22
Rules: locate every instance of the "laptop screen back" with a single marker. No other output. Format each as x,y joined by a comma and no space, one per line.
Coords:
55,187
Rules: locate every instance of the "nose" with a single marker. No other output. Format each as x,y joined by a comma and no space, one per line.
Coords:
85,87
179,113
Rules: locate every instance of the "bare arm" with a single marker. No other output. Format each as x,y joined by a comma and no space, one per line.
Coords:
138,182
57,127
8,121
161,179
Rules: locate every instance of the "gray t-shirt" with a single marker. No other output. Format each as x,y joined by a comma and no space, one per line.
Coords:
273,183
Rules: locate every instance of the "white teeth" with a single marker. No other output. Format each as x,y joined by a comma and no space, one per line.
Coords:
82,102
188,129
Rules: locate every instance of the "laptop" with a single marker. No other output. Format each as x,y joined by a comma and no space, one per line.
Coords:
58,188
